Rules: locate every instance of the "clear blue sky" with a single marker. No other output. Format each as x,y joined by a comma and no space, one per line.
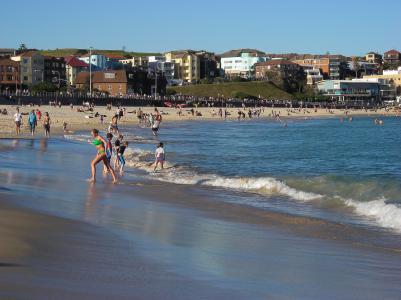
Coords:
303,26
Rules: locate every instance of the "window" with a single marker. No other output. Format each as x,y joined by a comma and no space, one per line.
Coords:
120,87
109,87
110,75
25,61
25,78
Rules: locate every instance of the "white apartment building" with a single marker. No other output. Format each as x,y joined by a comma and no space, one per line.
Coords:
240,65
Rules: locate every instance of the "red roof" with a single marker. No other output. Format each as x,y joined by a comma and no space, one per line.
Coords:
75,62
276,62
392,52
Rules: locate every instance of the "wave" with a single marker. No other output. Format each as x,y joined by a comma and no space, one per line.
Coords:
387,215
384,214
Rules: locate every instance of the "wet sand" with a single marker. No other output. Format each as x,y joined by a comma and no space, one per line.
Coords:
63,238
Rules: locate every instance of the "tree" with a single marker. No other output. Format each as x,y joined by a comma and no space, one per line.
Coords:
22,48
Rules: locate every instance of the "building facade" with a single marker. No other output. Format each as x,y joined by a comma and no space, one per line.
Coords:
392,58
331,67
373,57
284,67
356,90
240,65
73,66
9,74
313,76
186,65
136,61
55,70
113,83
98,61
31,67
393,76
7,52
160,65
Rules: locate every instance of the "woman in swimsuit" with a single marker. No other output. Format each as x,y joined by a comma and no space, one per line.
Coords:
100,143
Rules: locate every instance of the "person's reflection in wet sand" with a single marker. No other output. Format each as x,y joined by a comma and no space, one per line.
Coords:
43,145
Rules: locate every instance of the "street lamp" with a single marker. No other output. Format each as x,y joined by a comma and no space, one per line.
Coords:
90,71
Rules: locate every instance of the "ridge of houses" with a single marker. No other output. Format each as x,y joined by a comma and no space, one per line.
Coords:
150,74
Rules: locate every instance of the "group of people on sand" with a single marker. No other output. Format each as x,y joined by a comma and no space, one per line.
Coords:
34,117
105,150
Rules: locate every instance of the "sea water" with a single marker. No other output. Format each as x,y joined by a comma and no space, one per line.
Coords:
315,166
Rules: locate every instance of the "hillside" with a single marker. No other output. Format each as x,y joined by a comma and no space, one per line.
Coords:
74,51
233,89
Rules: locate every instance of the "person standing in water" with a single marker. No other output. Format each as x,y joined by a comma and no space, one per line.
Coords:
32,120
109,150
99,142
121,155
18,121
159,156
46,124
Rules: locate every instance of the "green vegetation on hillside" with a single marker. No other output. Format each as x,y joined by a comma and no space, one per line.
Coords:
75,51
233,89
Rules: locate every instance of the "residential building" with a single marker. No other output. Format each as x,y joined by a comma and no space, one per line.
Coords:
31,67
98,61
9,74
55,70
286,68
73,66
362,68
393,76
122,82
331,66
313,76
208,64
159,64
7,52
392,58
241,62
113,83
373,57
135,61
356,90
186,65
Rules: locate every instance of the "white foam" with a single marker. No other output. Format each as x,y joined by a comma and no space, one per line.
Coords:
385,214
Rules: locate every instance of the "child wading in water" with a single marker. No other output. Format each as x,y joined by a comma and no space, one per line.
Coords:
159,156
121,155
109,150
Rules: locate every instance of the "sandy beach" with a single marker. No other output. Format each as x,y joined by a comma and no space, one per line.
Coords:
86,120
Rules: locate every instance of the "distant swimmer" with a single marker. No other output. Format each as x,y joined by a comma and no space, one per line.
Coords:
99,142
159,156
350,119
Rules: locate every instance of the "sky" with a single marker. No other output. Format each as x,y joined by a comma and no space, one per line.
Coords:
350,27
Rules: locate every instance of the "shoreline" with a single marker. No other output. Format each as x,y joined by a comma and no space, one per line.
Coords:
79,121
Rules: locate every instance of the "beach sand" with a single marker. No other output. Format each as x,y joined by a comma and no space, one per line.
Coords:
86,120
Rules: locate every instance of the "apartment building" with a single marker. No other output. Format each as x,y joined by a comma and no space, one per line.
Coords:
332,66
241,62
55,70
392,58
285,67
186,65
98,61
9,74
73,66
373,57
393,76
31,67
136,61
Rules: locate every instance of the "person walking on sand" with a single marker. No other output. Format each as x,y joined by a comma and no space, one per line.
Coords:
46,124
18,121
159,156
32,120
99,142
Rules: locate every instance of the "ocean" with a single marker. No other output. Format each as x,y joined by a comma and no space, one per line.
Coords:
344,171
244,210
